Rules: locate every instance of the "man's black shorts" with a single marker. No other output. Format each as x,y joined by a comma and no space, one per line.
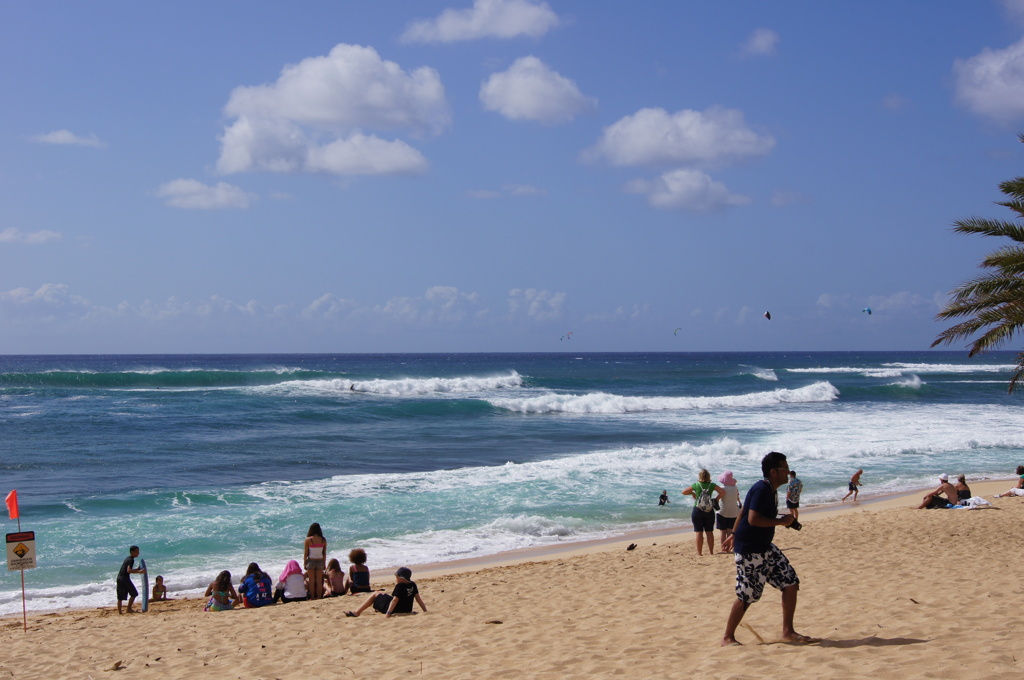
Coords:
125,589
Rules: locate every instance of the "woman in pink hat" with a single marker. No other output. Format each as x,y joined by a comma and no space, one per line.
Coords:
729,509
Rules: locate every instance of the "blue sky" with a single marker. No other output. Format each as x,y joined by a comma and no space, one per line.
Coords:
488,175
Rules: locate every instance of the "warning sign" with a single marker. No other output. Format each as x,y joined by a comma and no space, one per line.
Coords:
21,551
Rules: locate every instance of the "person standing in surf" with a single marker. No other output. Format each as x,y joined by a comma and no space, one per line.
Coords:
314,556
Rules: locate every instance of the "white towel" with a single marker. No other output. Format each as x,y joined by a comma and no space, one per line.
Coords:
974,503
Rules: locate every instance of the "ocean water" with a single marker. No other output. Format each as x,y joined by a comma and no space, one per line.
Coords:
210,462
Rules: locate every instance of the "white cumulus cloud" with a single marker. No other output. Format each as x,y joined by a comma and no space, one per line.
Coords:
191,193
67,137
530,90
538,305
12,235
314,117
653,136
486,19
761,43
991,84
687,189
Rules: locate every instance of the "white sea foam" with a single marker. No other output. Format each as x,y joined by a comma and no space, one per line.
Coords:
896,369
601,402
395,387
912,381
762,373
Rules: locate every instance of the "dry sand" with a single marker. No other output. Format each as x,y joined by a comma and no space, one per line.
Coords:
894,593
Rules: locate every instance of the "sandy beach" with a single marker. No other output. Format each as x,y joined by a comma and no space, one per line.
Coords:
894,593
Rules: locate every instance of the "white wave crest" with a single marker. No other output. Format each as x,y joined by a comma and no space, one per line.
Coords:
416,386
896,369
601,402
762,373
396,387
912,381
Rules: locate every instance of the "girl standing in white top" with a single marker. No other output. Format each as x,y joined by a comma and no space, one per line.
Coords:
729,510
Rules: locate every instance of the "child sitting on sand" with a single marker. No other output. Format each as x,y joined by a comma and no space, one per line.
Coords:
358,573
399,601
256,588
334,580
159,590
221,593
291,587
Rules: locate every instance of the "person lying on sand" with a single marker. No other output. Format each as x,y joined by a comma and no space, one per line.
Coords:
399,601
935,498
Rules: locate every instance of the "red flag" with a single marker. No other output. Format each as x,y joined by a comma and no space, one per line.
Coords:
12,504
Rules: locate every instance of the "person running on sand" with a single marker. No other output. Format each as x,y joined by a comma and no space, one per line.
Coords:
358,573
730,509
854,483
125,588
399,601
334,579
314,557
703,518
942,497
758,560
1017,490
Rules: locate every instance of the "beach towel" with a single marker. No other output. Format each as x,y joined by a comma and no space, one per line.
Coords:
973,503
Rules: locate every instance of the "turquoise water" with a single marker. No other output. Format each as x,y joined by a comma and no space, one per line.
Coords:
210,462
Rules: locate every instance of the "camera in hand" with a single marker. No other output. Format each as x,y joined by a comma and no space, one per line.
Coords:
795,525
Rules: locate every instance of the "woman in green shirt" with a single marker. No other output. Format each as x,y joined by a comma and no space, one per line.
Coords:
703,515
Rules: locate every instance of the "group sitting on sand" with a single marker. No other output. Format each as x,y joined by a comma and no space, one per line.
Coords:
320,578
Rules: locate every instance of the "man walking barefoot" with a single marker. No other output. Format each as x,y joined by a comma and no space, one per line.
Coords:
758,560
854,486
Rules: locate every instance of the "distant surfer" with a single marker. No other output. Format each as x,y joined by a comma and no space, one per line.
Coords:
663,499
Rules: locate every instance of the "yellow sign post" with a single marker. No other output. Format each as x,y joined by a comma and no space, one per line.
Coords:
21,555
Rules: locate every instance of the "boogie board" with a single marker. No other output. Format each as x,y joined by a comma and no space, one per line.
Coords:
145,585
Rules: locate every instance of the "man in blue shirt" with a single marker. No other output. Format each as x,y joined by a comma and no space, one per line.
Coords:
758,560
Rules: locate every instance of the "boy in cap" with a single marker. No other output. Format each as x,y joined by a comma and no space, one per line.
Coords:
934,499
399,601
